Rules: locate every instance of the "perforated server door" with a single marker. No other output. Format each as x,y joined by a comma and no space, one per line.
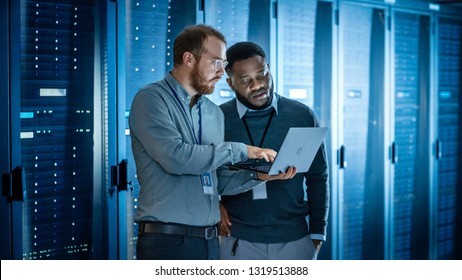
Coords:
449,146
238,20
57,131
10,159
149,32
362,67
296,42
410,199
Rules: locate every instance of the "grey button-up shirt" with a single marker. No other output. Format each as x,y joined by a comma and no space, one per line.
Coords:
169,160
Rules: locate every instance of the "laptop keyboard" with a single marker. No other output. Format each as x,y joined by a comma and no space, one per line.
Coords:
263,168
252,164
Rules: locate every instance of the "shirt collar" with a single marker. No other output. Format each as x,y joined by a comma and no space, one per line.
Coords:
242,109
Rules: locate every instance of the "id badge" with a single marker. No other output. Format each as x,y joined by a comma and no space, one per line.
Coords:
207,183
259,192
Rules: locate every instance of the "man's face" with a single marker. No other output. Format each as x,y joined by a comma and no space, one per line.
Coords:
252,82
209,67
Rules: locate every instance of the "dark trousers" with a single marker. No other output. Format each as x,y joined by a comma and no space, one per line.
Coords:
155,246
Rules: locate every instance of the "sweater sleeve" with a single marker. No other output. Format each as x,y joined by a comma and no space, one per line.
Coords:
317,183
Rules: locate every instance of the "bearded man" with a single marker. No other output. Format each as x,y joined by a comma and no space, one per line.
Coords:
279,219
177,137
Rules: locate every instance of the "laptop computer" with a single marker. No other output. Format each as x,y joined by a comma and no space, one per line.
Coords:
298,149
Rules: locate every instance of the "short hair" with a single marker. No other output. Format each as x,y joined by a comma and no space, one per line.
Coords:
192,39
241,51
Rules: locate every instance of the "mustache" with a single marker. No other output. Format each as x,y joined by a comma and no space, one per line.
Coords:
216,78
259,91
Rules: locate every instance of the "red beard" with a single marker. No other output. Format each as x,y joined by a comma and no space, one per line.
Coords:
200,83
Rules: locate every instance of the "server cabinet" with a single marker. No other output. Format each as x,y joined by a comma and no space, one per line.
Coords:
410,150
448,148
10,160
361,189
296,25
57,129
50,126
303,68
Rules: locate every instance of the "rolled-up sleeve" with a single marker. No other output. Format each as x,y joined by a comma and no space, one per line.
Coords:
232,182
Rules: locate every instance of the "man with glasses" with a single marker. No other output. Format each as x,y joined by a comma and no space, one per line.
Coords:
270,221
178,145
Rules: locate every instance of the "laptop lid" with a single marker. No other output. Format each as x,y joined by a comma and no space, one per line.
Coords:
298,149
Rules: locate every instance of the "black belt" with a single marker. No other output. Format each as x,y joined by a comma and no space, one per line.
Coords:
177,229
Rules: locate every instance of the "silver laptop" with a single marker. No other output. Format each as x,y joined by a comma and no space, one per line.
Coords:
298,149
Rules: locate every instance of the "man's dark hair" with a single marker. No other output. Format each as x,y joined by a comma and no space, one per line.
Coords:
241,51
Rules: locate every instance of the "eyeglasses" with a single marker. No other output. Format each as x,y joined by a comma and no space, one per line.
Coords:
218,64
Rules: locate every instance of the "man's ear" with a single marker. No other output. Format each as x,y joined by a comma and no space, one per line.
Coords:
230,83
188,59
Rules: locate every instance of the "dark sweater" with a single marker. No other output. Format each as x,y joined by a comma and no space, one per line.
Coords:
281,217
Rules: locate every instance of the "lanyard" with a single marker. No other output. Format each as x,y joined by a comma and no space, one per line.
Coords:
264,133
186,114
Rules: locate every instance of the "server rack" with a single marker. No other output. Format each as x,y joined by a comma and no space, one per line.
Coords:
57,60
411,133
361,192
10,161
448,147
54,122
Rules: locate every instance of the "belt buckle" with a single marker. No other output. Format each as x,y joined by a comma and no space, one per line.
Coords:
210,233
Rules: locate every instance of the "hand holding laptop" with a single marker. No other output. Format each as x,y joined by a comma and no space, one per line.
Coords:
289,174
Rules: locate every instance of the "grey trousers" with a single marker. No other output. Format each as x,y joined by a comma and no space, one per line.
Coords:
302,249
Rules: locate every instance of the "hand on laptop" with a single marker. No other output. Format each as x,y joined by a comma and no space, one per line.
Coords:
259,153
289,174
